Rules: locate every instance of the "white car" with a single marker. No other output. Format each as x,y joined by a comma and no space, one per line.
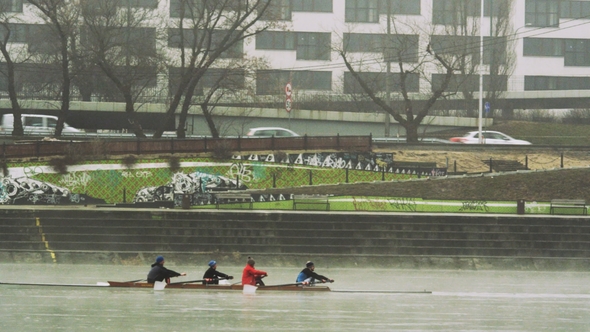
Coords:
271,131
489,137
34,124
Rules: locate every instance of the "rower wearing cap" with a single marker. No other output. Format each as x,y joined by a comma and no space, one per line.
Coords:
307,276
160,273
212,276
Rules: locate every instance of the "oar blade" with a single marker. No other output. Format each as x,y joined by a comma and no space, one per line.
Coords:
159,285
249,289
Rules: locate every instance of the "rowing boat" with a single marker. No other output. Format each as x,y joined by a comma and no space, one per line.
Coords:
288,287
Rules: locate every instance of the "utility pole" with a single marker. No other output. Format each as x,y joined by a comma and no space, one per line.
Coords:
388,74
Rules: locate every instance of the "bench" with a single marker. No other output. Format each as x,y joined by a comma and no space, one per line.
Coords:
568,204
311,200
233,198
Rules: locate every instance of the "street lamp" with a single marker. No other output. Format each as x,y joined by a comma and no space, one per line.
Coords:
481,72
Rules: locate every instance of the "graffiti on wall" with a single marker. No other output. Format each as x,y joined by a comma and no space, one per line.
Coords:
369,161
197,186
24,190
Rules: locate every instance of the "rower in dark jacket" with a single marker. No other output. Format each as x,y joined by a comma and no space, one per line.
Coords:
160,273
212,276
307,276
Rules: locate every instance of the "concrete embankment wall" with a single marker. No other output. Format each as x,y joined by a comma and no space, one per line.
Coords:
132,236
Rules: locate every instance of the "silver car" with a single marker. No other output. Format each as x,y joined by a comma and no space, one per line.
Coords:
271,131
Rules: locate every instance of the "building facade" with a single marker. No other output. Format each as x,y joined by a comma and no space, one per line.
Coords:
531,48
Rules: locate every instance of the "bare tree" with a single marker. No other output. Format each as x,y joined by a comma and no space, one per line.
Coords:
115,36
413,64
7,33
207,33
461,38
62,17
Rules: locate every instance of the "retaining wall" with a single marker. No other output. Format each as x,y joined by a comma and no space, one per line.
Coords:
131,236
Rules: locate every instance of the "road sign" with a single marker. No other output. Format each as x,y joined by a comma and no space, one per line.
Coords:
288,90
487,107
288,104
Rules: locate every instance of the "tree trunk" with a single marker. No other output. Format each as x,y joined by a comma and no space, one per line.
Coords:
65,92
131,116
210,122
17,129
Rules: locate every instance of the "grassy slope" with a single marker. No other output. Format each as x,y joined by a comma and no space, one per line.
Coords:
536,186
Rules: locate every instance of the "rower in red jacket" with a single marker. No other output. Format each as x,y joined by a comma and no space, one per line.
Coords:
251,276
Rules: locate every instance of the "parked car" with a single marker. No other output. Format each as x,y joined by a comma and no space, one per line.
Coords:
271,131
34,124
489,137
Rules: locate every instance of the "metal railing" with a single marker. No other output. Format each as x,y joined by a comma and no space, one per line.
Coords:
101,147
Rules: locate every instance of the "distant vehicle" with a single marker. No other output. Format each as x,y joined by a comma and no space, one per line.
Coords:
34,124
271,131
489,137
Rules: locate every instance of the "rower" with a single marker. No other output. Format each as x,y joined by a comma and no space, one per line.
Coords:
212,276
160,273
307,276
251,276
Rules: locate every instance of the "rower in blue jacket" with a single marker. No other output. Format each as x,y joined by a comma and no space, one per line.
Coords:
307,276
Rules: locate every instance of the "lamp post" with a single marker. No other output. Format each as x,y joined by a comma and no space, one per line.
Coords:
481,73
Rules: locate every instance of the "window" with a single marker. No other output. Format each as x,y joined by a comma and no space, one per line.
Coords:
139,3
494,50
272,82
18,32
543,47
537,83
41,39
471,82
363,42
309,45
405,46
183,8
313,46
376,82
187,38
275,40
577,52
400,7
542,13
457,45
362,11
11,6
575,9
453,12
35,121
51,122
278,10
312,6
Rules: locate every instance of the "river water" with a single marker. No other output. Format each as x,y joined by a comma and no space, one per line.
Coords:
460,301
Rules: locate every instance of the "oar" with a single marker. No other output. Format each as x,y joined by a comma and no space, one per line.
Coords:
284,285
159,285
191,281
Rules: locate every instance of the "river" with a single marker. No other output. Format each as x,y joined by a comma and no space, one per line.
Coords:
460,301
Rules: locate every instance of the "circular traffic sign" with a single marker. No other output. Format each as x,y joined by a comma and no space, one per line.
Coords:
288,90
288,104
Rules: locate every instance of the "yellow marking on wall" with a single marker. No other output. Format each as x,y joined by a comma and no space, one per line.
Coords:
38,224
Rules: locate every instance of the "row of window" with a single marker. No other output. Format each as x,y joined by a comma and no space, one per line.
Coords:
536,83
308,45
576,52
546,13
272,82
